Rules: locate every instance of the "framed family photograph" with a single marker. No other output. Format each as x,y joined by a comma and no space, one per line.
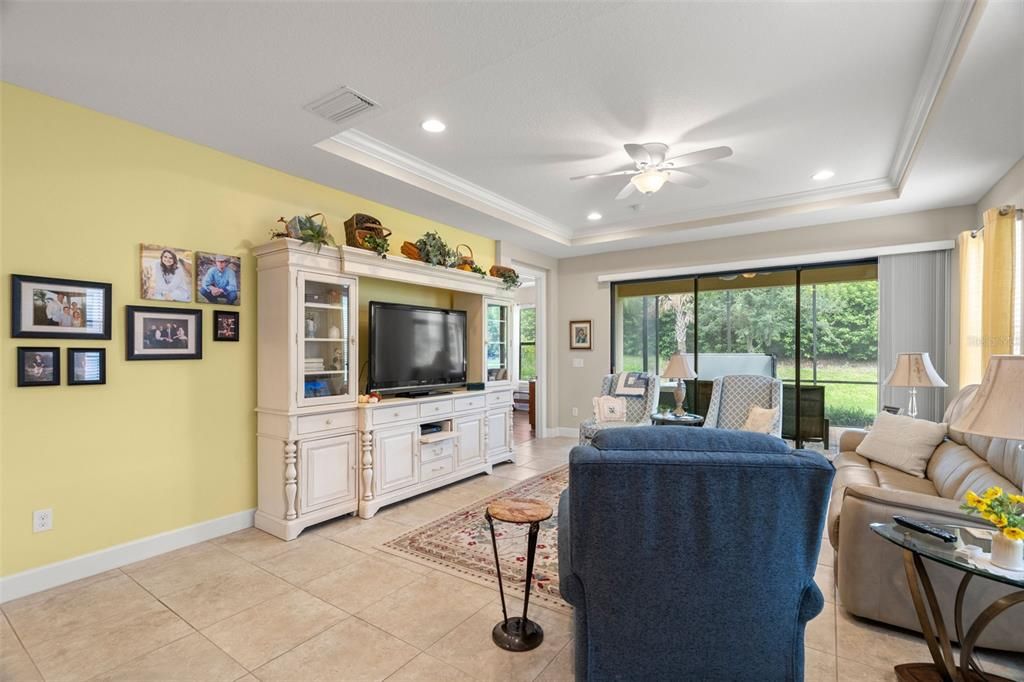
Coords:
225,325
163,333
51,308
87,366
218,278
166,273
38,366
580,332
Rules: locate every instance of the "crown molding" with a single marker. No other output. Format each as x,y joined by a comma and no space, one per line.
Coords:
369,151
953,32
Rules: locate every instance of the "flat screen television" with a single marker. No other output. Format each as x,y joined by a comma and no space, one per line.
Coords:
416,350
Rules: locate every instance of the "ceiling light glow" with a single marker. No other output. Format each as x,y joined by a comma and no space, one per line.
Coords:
593,215
432,125
650,181
824,174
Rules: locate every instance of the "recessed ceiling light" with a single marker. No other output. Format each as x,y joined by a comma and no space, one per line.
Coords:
593,215
824,174
432,125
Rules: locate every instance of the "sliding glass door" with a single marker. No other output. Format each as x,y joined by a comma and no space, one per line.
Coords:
813,327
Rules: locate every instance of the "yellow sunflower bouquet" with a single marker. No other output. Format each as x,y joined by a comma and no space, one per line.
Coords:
1003,510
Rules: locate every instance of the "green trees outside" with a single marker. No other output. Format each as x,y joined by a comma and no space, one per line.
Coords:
527,344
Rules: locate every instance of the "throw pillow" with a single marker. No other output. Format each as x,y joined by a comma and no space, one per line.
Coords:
609,409
760,419
902,442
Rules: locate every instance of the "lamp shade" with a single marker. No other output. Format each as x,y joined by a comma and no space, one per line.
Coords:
997,409
678,368
914,370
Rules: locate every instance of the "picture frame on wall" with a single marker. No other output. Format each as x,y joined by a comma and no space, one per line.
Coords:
166,273
87,366
53,308
225,325
581,335
38,366
218,278
155,333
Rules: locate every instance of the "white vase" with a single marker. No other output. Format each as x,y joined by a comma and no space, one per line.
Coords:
334,333
1007,553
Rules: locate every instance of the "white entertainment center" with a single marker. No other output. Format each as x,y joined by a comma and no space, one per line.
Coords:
320,453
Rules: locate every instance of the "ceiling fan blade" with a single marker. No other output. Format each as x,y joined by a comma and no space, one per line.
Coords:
638,153
625,191
657,152
626,171
679,177
703,156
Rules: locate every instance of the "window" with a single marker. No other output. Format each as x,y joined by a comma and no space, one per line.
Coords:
527,343
761,322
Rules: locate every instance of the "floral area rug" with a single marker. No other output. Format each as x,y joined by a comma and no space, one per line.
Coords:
460,542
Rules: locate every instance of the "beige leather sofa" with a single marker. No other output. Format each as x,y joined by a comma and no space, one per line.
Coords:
870,576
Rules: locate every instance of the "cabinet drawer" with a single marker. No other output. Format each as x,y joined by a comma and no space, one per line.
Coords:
387,415
328,421
432,451
499,398
434,409
439,467
470,402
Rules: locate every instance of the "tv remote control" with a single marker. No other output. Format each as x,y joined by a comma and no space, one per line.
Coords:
927,529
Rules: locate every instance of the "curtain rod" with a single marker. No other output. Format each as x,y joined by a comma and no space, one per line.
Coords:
1003,210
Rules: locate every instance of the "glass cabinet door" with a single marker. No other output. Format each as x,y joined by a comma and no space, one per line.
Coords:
326,339
497,342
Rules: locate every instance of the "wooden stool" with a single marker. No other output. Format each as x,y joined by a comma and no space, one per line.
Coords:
517,633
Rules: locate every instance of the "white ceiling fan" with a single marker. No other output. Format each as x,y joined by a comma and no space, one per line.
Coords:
653,170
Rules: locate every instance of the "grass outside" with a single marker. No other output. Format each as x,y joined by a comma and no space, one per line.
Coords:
846,405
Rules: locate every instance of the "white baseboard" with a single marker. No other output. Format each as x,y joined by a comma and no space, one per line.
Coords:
567,432
43,578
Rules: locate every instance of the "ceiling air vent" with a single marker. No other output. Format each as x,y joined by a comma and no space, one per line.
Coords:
340,105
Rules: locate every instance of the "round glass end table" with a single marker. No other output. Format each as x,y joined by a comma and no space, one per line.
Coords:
671,419
916,547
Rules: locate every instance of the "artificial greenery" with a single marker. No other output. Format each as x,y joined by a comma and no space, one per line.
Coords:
377,244
511,280
307,229
435,251
478,270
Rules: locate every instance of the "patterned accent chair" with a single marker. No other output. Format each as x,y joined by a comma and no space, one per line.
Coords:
638,408
733,395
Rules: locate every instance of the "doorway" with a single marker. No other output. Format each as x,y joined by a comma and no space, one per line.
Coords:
524,349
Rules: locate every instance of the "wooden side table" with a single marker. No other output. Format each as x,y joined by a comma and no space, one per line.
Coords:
518,633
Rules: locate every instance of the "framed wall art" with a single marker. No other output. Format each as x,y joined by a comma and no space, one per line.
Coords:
166,273
87,366
153,333
580,333
51,308
218,278
38,366
225,325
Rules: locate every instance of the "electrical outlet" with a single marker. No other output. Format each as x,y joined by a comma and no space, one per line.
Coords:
577,362
575,411
42,520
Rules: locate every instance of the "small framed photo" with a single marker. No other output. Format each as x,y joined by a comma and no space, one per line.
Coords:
225,325
38,366
51,308
580,332
163,333
166,273
87,366
218,279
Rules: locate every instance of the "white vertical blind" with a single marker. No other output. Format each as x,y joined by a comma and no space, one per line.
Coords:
913,315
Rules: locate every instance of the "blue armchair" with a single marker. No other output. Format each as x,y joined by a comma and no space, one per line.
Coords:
689,554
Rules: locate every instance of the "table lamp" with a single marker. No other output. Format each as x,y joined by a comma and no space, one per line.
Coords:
679,369
996,409
913,371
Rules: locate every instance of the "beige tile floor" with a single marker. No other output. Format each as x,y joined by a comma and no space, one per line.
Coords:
331,606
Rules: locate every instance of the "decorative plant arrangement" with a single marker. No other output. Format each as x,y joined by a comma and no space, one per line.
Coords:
507,275
307,229
1006,512
433,249
365,232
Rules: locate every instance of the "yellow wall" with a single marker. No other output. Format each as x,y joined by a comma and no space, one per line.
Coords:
163,444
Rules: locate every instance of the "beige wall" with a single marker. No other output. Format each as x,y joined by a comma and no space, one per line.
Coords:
1009,190
582,298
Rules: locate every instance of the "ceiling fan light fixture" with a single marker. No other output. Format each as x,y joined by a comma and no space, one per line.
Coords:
650,181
